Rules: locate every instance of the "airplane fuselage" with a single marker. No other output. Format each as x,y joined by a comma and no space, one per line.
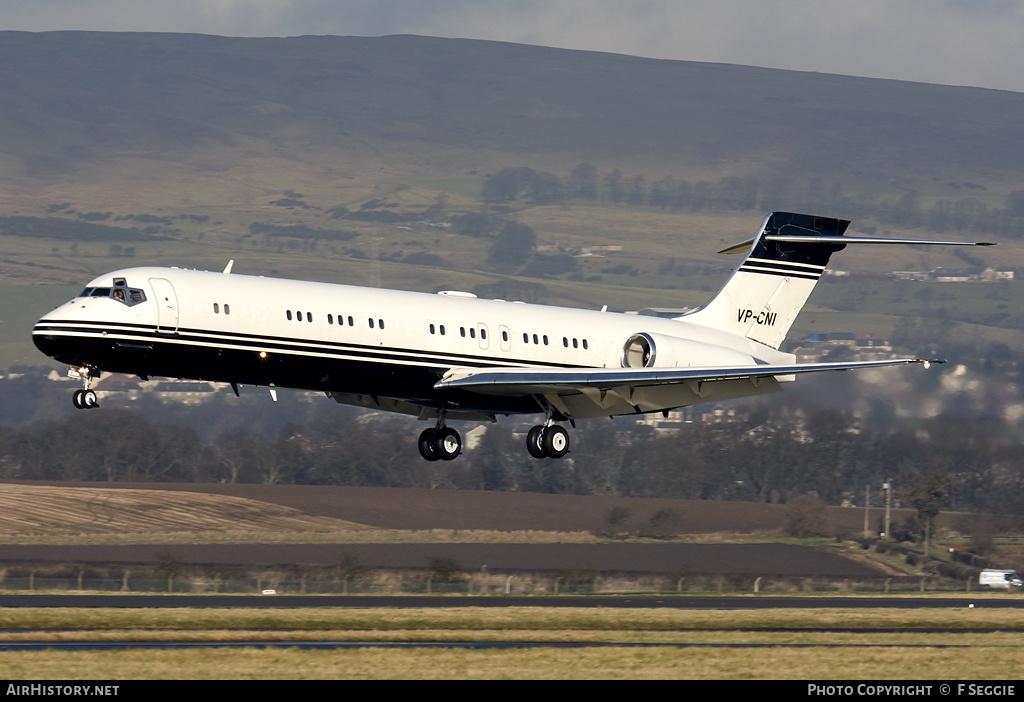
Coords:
351,340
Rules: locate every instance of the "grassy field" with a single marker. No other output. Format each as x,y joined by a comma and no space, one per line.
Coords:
811,644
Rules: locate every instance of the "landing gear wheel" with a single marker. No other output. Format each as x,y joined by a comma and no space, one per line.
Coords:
85,399
446,444
555,441
533,439
424,444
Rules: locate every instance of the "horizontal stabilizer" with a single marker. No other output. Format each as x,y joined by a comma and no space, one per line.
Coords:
744,246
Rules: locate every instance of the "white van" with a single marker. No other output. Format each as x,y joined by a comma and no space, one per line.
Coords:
1000,579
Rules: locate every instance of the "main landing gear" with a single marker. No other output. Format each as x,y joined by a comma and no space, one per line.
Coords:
86,397
547,441
441,443
543,441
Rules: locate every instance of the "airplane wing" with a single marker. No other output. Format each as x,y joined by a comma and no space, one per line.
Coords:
607,388
505,381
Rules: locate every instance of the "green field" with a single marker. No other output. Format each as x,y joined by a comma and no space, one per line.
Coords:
694,644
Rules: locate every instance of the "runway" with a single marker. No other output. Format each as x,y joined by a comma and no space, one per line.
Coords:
433,602
469,645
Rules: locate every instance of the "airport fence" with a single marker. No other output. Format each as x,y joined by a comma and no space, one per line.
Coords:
494,584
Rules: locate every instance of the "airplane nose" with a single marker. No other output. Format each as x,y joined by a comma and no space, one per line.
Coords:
57,346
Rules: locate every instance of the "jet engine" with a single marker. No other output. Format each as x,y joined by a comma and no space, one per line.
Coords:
646,350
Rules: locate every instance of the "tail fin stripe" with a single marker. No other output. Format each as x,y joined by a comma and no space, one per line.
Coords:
784,269
782,274
771,262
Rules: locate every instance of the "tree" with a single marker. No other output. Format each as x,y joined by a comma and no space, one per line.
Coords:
513,247
615,191
927,494
582,182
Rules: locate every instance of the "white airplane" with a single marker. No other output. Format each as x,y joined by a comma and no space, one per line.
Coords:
452,356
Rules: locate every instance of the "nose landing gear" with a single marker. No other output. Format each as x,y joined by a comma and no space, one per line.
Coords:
86,397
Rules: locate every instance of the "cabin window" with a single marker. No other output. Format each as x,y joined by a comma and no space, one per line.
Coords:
472,333
535,339
309,316
350,322
565,342
462,331
330,319
584,343
545,339
441,327
370,320
504,336
483,333
288,314
216,308
227,308
526,339
575,344
380,323
431,328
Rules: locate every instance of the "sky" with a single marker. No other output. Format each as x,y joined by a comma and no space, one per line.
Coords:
953,42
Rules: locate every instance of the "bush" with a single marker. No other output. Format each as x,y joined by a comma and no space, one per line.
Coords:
808,516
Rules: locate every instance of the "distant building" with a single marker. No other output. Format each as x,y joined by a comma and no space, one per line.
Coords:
955,275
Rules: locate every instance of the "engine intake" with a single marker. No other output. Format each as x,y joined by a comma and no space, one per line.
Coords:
645,350
639,351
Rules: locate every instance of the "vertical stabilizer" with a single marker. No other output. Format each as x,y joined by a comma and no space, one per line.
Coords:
771,285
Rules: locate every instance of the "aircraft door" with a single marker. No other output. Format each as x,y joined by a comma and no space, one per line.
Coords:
481,333
167,306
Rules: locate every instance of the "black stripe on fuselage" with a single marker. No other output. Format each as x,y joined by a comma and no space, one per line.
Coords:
256,343
118,338
172,356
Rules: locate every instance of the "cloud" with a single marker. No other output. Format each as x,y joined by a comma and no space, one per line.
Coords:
964,42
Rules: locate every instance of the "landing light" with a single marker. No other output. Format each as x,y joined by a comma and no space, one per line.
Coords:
263,354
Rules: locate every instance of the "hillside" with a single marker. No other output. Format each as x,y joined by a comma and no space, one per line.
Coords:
82,99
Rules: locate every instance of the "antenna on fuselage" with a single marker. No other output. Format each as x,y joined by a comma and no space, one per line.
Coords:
227,268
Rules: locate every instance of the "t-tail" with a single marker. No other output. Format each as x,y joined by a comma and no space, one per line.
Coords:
784,261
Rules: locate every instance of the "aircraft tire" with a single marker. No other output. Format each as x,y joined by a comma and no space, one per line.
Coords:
76,399
555,441
425,444
533,439
89,399
446,444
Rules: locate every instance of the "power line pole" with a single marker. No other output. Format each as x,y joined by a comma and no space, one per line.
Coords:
888,508
867,509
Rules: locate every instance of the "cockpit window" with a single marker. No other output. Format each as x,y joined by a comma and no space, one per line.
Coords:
120,292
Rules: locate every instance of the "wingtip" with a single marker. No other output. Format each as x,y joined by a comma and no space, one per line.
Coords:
927,362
